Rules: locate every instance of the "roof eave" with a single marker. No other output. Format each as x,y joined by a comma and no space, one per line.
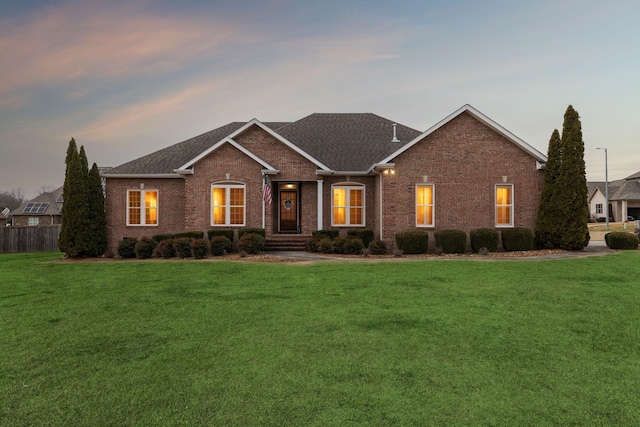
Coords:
142,175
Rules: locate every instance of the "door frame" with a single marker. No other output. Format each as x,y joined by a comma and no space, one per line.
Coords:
289,186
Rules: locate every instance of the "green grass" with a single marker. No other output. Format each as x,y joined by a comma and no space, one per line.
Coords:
327,344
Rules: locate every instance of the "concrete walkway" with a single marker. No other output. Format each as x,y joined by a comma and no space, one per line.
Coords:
595,248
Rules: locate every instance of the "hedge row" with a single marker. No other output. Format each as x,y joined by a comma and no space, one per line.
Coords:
455,241
356,242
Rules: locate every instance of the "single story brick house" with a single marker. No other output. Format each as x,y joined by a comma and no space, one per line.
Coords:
45,209
331,171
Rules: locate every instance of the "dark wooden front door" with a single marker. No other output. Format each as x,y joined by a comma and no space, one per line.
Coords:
288,207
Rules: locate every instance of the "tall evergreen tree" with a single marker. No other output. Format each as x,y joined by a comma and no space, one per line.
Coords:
96,213
85,163
547,233
73,148
73,240
570,198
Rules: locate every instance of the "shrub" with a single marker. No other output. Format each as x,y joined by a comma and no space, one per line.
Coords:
339,244
251,243
199,248
517,239
127,247
451,241
145,247
378,247
189,235
484,238
621,240
226,233
312,243
353,246
326,246
601,219
220,245
331,234
258,231
412,241
165,249
182,246
160,237
365,235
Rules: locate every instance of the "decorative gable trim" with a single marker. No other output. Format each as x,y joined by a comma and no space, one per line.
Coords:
540,158
187,168
229,140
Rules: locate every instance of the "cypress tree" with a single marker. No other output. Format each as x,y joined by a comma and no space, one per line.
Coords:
74,230
570,196
547,233
85,164
97,218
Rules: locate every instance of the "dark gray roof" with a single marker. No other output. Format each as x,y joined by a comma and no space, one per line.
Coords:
54,208
347,142
634,176
626,189
593,186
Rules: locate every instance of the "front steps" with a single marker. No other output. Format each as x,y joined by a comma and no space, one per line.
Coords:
286,242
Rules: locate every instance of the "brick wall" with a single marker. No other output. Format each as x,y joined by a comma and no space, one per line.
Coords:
23,220
171,212
465,160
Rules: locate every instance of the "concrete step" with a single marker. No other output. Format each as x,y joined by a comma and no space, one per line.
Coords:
286,242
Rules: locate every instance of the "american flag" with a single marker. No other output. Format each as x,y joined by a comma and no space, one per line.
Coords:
266,192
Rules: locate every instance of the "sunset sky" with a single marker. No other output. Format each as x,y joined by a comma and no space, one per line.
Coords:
128,78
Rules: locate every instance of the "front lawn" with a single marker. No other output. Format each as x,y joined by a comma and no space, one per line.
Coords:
326,344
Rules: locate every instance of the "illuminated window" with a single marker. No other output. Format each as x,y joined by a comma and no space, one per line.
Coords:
424,205
504,205
347,205
227,204
142,207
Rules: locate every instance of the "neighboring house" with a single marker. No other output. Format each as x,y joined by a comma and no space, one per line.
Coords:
43,210
331,171
624,198
4,216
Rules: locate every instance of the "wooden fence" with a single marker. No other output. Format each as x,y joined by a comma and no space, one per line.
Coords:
29,239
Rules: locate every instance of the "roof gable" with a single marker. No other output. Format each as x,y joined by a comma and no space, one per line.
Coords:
541,158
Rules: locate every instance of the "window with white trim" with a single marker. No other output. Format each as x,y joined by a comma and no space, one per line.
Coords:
504,205
347,205
142,207
425,213
33,221
228,204
599,208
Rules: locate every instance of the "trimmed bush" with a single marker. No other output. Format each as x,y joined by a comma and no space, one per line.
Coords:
182,246
199,248
145,247
165,249
251,243
160,237
353,246
363,234
517,239
621,240
326,246
127,247
412,241
484,238
312,243
189,235
378,247
226,233
258,231
451,241
339,244
332,234
220,245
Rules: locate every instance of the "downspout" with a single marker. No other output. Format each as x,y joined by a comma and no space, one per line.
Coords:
380,208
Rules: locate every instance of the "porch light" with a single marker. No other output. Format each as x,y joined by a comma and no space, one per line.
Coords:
389,172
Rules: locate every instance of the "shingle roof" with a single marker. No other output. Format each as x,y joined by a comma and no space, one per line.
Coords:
634,176
333,139
51,198
627,189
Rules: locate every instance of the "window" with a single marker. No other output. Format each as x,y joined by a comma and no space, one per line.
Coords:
599,208
347,205
33,221
142,207
504,205
227,204
424,205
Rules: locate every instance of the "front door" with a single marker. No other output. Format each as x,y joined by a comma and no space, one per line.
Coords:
288,208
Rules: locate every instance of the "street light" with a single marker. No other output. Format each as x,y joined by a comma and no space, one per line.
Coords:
606,185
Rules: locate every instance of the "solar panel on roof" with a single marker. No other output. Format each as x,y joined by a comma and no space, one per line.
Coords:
59,199
35,207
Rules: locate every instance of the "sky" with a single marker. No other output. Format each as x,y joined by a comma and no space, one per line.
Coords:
126,78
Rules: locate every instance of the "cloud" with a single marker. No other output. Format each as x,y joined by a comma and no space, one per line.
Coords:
88,41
